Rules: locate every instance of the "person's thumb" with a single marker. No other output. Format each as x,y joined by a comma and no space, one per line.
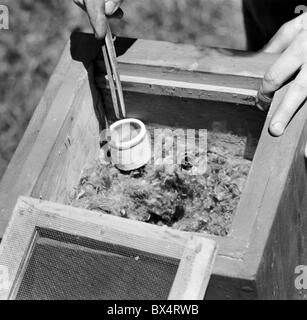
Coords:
111,6
96,12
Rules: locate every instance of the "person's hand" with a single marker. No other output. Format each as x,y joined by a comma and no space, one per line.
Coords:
291,42
97,11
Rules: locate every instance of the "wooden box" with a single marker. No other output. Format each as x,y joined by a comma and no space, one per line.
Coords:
175,84
57,252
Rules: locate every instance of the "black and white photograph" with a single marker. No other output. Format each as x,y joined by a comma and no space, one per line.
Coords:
153,154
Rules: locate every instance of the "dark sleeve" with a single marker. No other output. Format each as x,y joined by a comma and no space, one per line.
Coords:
263,18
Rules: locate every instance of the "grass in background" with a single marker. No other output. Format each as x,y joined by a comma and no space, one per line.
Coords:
204,22
39,29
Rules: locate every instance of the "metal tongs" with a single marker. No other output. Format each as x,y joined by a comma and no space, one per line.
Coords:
109,55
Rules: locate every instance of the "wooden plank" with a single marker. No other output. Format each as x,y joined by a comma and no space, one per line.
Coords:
36,150
41,110
275,245
16,165
77,144
181,88
269,175
181,70
195,267
30,215
46,138
193,58
186,57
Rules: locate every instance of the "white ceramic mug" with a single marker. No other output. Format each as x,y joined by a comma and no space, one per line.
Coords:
130,144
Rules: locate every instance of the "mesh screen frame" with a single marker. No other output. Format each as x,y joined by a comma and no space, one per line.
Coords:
66,267
31,217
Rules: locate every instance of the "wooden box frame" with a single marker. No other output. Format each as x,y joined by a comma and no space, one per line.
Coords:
32,217
258,258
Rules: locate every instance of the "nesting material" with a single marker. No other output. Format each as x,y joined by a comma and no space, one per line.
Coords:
170,195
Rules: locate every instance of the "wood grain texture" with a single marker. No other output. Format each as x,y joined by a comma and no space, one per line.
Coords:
276,243
270,217
176,85
196,254
77,143
203,59
186,71
194,271
54,136
16,165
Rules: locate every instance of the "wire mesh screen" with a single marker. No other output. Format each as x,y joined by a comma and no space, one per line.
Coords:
66,267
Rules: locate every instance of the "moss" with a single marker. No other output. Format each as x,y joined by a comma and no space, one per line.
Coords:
171,195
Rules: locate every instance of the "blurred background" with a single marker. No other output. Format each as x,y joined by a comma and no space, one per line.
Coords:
39,29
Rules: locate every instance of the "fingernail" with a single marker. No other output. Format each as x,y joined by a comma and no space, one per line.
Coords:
263,102
259,105
277,129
